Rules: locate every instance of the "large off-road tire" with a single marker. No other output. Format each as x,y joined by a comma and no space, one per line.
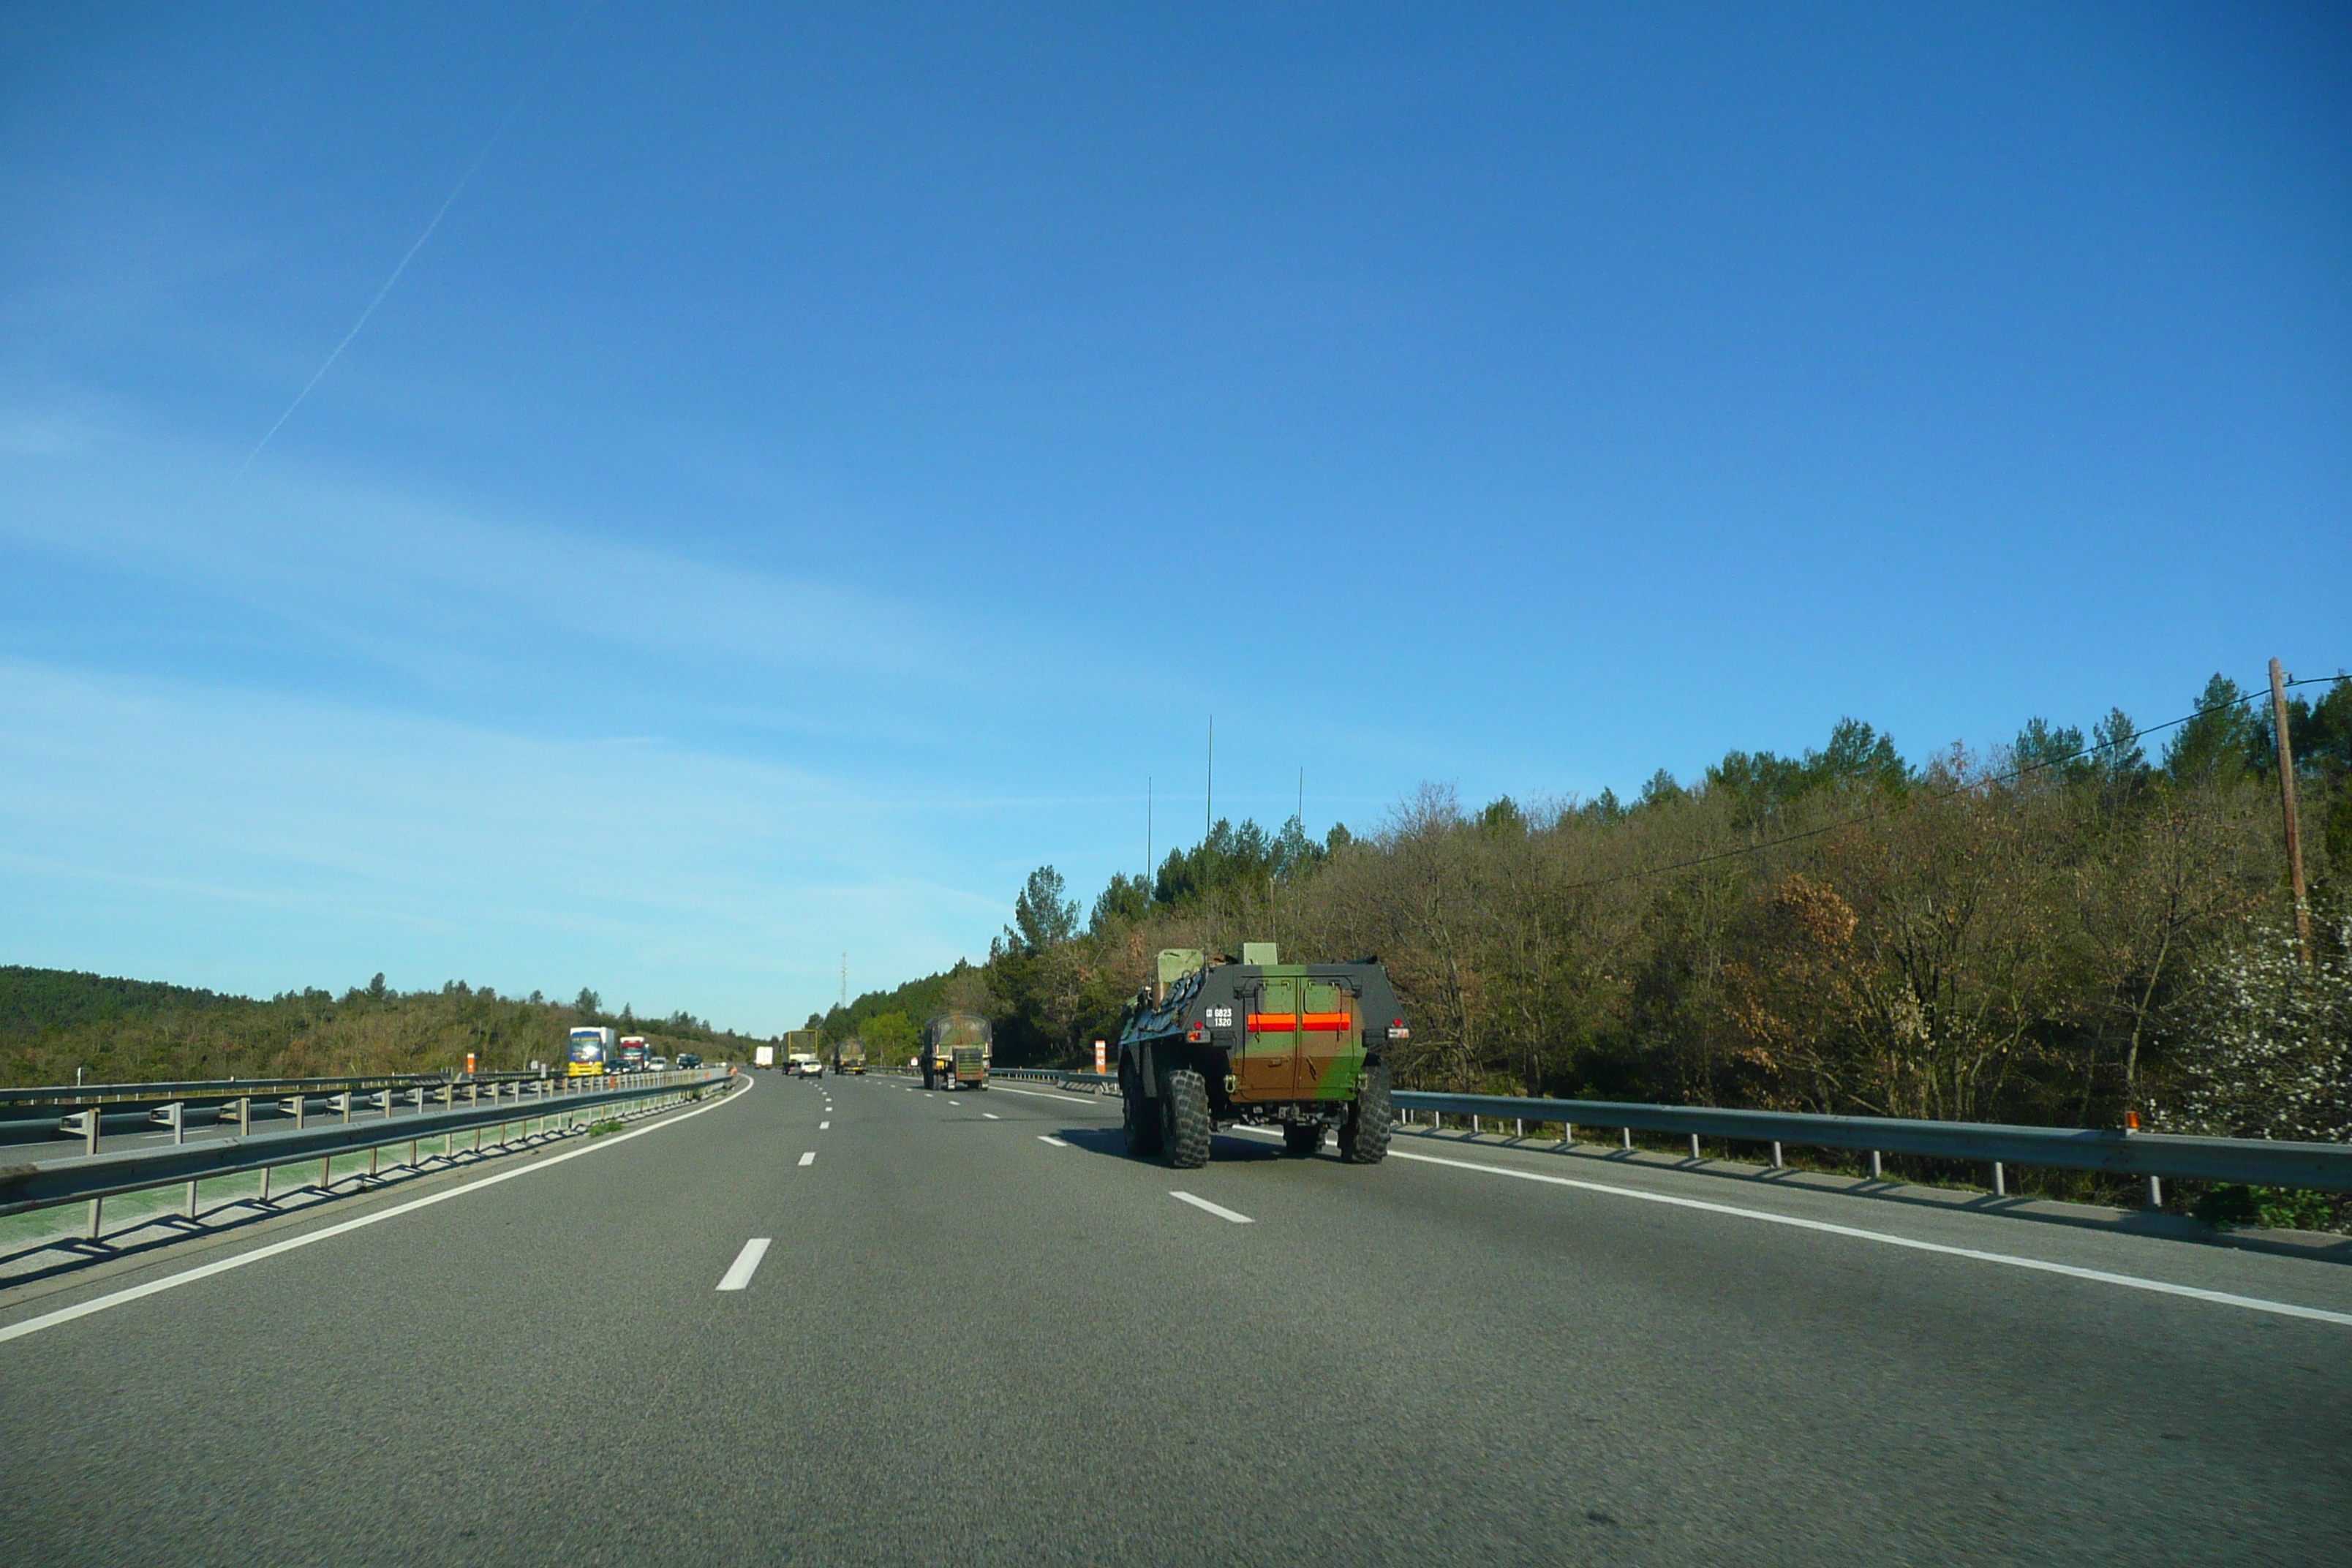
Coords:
930,1078
1300,1140
1184,1123
1141,1118
1364,1136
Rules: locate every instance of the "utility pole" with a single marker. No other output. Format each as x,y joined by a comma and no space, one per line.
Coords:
2286,803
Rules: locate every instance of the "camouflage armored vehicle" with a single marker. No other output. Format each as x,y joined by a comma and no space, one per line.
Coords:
1259,1043
956,1046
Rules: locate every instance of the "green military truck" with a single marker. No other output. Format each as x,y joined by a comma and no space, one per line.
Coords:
849,1057
956,1046
1259,1043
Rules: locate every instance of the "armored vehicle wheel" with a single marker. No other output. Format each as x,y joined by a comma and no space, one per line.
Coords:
928,1076
1185,1119
1140,1120
1298,1142
1364,1136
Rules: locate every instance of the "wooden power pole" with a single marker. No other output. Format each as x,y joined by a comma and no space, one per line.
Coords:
2286,803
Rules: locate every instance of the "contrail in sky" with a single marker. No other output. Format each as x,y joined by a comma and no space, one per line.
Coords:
439,213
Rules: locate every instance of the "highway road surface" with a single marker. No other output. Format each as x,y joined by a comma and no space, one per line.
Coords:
846,1322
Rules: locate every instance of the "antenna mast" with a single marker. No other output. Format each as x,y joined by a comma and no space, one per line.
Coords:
1208,808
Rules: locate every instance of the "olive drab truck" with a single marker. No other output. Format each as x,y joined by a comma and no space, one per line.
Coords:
1259,1043
849,1057
956,1046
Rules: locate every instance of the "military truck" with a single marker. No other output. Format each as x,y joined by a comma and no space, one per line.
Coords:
1259,1043
956,1046
849,1057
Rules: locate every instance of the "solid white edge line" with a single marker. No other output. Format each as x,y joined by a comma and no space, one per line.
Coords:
747,1263
2011,1260
1049,1138
1212,1208
204,1271
808,1158
1088,1102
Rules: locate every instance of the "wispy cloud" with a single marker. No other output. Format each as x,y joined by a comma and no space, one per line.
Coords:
456,599
347,840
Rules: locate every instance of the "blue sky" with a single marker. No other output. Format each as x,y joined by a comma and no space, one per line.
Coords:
822,464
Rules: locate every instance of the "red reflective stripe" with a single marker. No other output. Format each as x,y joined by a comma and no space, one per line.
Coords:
1273,1022
1328,1021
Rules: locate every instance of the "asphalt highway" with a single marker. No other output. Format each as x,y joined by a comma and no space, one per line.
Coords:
977,1334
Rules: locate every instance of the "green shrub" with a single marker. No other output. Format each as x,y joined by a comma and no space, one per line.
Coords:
2273,1208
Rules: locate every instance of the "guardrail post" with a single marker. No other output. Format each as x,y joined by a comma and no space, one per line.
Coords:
175,1117
1629,1136
1776,1154
341,1102
1999,1180
2155,1192
1877,1167
376,1150
1567,1134
88,1127
1694,1154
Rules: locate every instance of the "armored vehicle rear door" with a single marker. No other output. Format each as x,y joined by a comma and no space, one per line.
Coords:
1269,1060
1330,1037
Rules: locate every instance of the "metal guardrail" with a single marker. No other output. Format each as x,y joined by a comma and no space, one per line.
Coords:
39,1099
1089,1080
2149,1156
95,1175
2327,1167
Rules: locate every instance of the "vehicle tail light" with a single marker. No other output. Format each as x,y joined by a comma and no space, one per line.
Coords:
1397,1031
1197,1035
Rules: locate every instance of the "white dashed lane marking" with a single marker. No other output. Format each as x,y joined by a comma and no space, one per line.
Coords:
1206,1206
990,1116
1049,1138
808,1158
824,1126
747,1263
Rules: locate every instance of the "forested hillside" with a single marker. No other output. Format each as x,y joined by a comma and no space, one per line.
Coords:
54,1022
2056,932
